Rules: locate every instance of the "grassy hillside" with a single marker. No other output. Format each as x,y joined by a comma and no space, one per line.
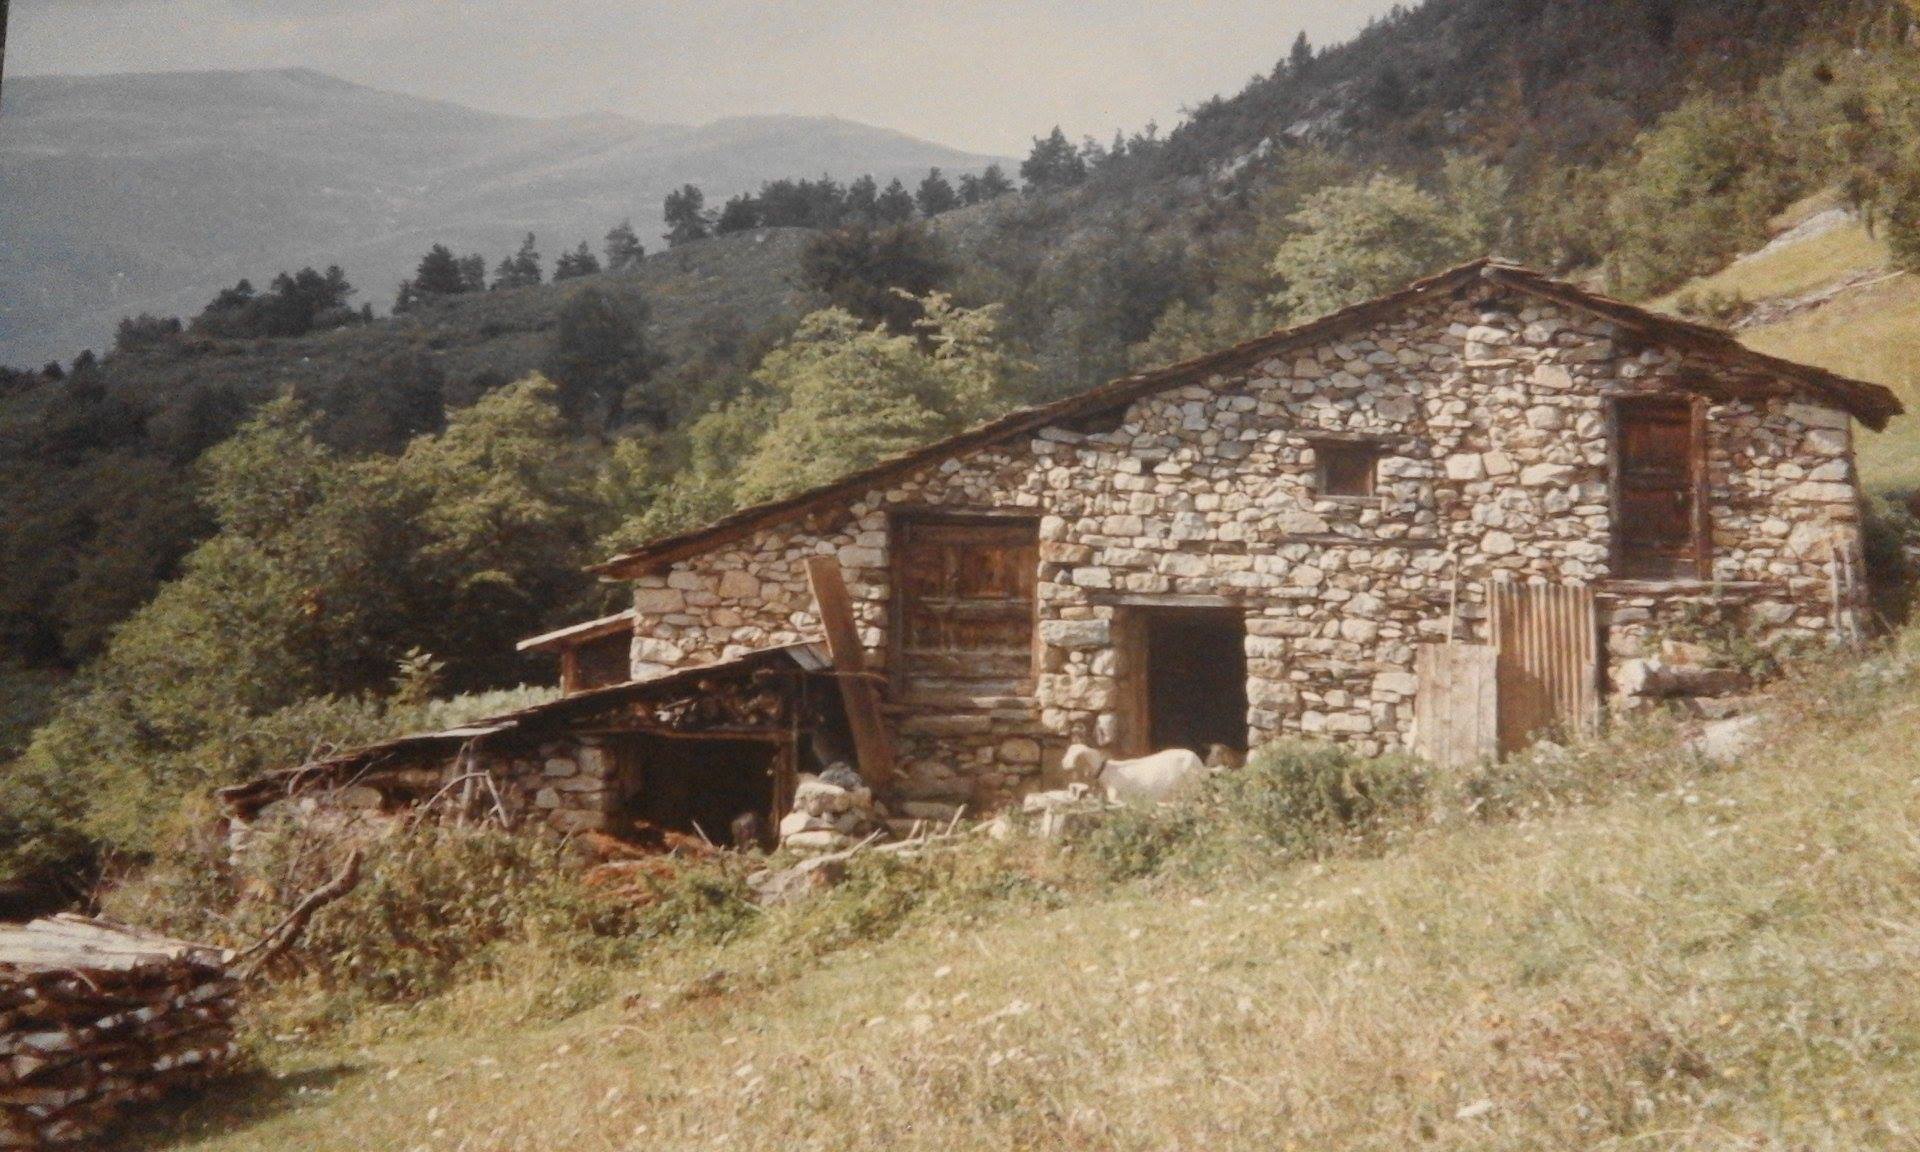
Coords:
1700,959
1830,298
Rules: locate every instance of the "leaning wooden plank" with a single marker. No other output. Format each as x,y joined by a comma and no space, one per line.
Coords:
871,741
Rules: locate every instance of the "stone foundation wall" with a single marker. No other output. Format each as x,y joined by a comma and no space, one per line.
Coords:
564,785
1491,419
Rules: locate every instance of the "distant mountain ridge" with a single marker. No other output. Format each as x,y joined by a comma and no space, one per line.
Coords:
151,191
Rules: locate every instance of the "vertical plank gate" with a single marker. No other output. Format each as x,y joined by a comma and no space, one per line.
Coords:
1456,704
1548,641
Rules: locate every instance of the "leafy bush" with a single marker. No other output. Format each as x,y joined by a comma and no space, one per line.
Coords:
1645,753
1713,306
1134,843
1303,798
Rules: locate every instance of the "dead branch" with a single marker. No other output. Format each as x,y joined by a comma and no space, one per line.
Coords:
286,933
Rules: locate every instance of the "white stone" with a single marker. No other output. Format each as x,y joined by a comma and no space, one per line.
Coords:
654,601
650,650
1395,684
1818,416
738,585
1542,475
1300,523
796,822
1076,634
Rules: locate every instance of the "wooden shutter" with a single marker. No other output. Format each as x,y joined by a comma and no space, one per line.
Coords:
1660,529
965,596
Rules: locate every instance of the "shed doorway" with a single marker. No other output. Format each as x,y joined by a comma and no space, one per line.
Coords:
1188,679
699,785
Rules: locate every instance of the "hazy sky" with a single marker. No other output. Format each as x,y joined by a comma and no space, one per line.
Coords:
964,72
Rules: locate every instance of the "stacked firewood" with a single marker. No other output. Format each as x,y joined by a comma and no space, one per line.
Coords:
94,1017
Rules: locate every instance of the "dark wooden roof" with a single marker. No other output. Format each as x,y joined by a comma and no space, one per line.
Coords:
577,634
249,797
1871,404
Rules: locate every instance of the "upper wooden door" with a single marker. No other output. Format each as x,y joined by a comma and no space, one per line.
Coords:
965,606
1660,529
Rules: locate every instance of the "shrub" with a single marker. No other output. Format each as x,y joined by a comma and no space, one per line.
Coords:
1303,798
1292,801
1135,843
1645,753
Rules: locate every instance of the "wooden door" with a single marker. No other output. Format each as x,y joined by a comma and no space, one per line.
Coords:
1548,640
1456,705
965,602
1657,489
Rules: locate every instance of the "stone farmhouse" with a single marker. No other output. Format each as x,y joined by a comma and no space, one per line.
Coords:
1293,538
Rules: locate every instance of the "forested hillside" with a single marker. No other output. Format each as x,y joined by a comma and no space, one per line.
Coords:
149,192
327,562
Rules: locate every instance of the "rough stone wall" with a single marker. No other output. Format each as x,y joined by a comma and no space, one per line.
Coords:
1491,422
565,785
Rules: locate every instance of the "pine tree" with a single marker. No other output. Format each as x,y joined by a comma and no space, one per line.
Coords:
994,183
935,195
579,262
863,198
473,273
1053,163
623,248
522,269
601,354
740,214
1301,56
686,216
895,205
440,273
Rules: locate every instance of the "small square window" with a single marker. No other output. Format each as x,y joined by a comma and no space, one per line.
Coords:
1346,469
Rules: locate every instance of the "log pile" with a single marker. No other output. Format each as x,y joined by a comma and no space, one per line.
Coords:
94,1017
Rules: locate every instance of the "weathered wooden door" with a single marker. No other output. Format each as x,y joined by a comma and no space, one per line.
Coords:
1657,480
1548,642
1456,704
965,602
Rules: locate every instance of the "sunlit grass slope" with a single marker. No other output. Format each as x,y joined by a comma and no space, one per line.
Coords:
1722,960
1870,331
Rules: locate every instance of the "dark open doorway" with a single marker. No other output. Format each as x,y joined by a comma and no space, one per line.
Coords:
700,786
1192,678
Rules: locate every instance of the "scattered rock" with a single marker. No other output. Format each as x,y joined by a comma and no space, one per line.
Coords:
1728,741
773,887
841,774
